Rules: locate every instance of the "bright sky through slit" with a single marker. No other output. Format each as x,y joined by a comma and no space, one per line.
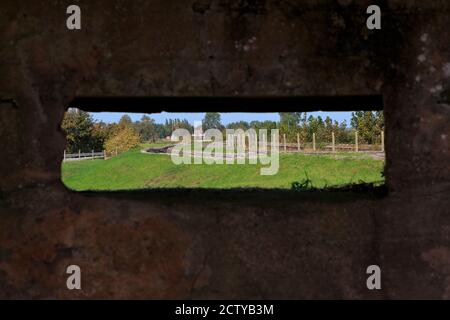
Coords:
226,118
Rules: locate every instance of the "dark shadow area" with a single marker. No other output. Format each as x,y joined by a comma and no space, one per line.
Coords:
348,193
229,104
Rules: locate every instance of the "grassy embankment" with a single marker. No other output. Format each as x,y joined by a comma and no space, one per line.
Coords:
135,170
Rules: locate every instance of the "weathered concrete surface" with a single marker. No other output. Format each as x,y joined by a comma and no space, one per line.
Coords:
232,245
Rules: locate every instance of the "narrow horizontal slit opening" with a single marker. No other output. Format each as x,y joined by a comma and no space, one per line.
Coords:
147,149
257,104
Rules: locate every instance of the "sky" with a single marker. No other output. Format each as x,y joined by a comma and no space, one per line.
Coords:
226,118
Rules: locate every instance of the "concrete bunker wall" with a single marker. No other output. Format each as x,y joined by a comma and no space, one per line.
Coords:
224,244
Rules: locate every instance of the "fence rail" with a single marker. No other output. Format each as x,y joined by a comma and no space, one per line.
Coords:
89,155
84,156
330,145
321,144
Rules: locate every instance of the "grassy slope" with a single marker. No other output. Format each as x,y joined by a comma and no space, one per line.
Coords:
134,170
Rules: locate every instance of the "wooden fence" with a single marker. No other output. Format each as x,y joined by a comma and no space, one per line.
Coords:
84,155
330,146
89,155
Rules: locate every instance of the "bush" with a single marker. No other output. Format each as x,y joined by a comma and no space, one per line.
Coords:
124,140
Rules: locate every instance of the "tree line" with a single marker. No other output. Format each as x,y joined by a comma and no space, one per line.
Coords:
369,125
85,134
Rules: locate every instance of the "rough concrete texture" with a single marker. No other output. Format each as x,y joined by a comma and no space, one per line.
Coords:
246,244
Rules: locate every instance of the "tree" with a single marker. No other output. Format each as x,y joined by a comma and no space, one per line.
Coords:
125,121
325,130
100,133
125,139
146,129
267,124
162,130
212,121
244,125
79,128
344,134
369,125
289,122
379,120
182,124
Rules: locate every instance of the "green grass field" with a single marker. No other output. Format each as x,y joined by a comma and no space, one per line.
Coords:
136,170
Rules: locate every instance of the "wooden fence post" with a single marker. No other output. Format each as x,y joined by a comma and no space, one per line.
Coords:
284,142
382,141
298,142
79,154
92,154
104,154
64,155
333,141
263,147
116,152
314,141
356,142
